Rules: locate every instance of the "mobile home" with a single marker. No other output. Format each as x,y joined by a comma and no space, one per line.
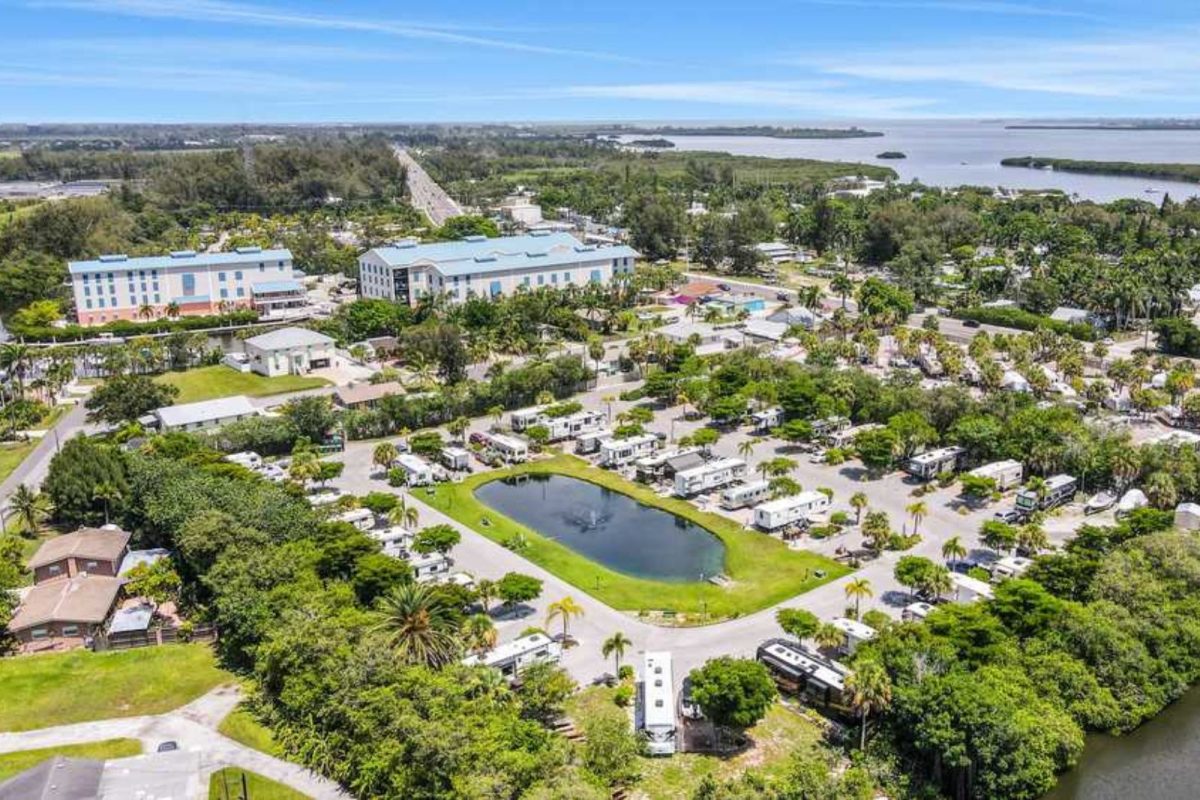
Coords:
1010,567
618,452
968,589
456,459
1006,474
588,443
509,448
658,465
524,418
846,436
933,463
747,494
1059,489
417,471
511,657
776,514
713,475
395,540
429,567
658,704
573,425
361,518
915,612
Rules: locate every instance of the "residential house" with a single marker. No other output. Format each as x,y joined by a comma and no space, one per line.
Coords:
204,415
365,395
90,551
65,612
289,351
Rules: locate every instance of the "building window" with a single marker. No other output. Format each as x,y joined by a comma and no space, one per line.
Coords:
596,276
525,280
221,277
87,291
156,295
90,565
241,292
189,284
567,277
70,630
54,569
495,288
224,293
237,275
39,633
262,267
100,301
541,280
554,277
89,303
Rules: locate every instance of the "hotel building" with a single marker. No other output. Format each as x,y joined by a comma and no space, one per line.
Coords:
487,267
117,287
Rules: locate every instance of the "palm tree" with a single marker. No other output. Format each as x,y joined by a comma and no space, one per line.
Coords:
608,400
419,624
480,633
563,609
14,357
496,413
29,507
829,636
856,590
1031,537
458,427
172,309
841,284
615,646
746,448
859,502
404,515
953,550
870,690
918,511
383,456
109,493
485,590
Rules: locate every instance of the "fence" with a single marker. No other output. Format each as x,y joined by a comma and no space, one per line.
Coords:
153,638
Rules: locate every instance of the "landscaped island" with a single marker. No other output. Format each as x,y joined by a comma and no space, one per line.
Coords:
1189,173
763,571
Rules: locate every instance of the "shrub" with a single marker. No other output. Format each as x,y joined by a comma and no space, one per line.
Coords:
1012,317
397,477
835,456
840,518
623,695
625,672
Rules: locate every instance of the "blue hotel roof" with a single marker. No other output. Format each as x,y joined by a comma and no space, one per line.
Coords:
179,258
477,254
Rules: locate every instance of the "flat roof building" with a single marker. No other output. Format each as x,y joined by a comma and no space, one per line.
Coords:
205,414
482,267
117,287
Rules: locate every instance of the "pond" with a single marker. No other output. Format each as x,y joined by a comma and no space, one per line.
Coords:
608,527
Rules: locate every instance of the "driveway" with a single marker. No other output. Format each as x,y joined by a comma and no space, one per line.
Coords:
194,728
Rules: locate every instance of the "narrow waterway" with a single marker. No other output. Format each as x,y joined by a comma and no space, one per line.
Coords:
1158,761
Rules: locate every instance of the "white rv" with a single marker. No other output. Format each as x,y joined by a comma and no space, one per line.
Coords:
511,657
395,540
455,458
619,452
1010,567
429,567
1059,490
588,443
361,518
417,471
713,475
1006,474
855,631
776,514
933,463
658,704
509,448
747,494
767,419
526,417
248,459
573,425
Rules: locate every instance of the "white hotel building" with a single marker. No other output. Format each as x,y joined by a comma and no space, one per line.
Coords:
487,267
117,287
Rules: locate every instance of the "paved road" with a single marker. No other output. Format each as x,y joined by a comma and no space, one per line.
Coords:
194,728
33,469
427,195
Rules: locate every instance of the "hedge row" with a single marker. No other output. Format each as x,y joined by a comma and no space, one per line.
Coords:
1011,317
128,328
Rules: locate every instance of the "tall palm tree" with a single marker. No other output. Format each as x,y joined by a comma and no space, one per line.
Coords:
480,633
615,646
485,590
404,515
29,507
918,511
829,636
746,448
856,590
109,493
870,690
15,357
419,624
953,550
859,502
384,454
563,610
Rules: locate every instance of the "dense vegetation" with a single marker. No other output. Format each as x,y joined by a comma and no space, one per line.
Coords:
1189,173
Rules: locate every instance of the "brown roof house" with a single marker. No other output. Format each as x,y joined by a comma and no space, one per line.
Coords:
365,395
94,551
65,612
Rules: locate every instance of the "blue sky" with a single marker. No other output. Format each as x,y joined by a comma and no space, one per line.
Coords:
519,60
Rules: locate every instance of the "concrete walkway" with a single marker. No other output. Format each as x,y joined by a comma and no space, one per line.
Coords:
194,728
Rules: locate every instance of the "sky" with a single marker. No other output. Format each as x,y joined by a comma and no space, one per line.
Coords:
782,61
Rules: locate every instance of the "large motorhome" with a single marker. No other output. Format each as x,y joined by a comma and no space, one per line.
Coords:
1059,489
429,567
523,418
927,466
713,475
767,419
573,425
509,448
658,704
801,671
785,511
417,471
746,494
1006,474
846,436
658,465
619,452
511,657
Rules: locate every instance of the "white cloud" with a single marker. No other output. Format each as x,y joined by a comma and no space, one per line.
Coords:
163,78
966,6
221,11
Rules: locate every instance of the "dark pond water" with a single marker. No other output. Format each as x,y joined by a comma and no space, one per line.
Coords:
608,527
1158,761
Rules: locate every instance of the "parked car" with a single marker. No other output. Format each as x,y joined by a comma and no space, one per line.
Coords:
1010,516
688,707
783,297
167,747
724,287
970,323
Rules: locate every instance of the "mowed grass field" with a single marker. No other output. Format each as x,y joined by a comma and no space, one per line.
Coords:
243,727
79,686
12,454
13,763
209,383
226,784
764,571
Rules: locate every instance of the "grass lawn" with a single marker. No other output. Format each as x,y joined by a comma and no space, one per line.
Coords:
775,739
12,763
226,784
12,454
208,383
764,571
241,726
78,686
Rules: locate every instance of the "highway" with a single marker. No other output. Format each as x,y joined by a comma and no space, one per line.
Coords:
426,195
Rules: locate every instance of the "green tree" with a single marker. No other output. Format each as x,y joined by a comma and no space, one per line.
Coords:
859,502
856,589
312,415
563,610
124,398
419,625
732,692
797,622
156,580
29,508
870,691
76,471
615,646
439,539
514,588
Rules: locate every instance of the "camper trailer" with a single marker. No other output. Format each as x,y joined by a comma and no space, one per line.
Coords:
667,463
856,633
511,657
573,425
658,704
455,459
588,443
619,452
800,671
524,418
1006,474
766,419
776,514
417,471
509,448
1059,489
927,466
430,567
713,475
361,518
1010,567
746,494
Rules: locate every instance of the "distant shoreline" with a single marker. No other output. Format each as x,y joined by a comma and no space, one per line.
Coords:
1160,126
1186,173
768,131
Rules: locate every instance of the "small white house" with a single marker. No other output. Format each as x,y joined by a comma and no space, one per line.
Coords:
776,514
713,475
429,567
417,471
968,589
618,452
511,657
289,351
204,415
